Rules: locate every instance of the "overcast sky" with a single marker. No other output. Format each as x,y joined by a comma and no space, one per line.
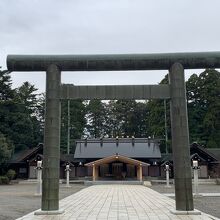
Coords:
103,27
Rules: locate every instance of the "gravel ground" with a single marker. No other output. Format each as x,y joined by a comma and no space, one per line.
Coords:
18,199
209,205
203,188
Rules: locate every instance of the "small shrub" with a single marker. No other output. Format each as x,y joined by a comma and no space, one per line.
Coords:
4,180
11,174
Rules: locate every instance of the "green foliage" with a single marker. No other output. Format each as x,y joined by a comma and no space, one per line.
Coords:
140,122
96,118
4,180
11,174
6,93
19,114
116,118
77,123
22,116
26,96
6,149
32,104
124,111
126,118
203,100
203,93
158,110
156,118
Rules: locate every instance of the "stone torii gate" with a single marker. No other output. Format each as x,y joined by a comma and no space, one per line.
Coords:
175,63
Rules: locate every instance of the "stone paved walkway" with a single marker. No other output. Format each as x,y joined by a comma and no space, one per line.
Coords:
120,202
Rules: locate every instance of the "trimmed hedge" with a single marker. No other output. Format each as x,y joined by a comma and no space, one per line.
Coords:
11,174
4,180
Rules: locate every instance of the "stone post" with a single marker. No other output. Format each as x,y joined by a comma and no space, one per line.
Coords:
51,160
39,178
67,175
196,177
167,169
180,139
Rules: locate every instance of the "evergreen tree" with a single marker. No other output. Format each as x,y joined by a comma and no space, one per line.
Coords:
6,150
126,118
6,92
31,102
156,119
96,118
204,107
139,122
26,96
125,113
18,114
195,112
112,124
77,123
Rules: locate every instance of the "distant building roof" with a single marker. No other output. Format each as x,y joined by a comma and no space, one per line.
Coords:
129,147
25,154
67,157
166,157
205,154
215,152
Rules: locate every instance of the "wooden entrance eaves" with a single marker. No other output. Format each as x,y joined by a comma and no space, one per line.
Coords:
117,157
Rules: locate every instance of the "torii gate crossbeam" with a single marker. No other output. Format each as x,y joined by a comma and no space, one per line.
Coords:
138,92
114,62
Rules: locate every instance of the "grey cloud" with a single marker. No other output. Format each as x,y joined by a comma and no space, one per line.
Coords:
103,26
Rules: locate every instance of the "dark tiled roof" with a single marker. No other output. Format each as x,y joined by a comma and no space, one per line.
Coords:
67,157
37,157
23,155
203,151
215,152
166,157
134,148
196,156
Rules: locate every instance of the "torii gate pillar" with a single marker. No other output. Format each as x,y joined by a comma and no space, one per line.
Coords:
180,139
51,160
